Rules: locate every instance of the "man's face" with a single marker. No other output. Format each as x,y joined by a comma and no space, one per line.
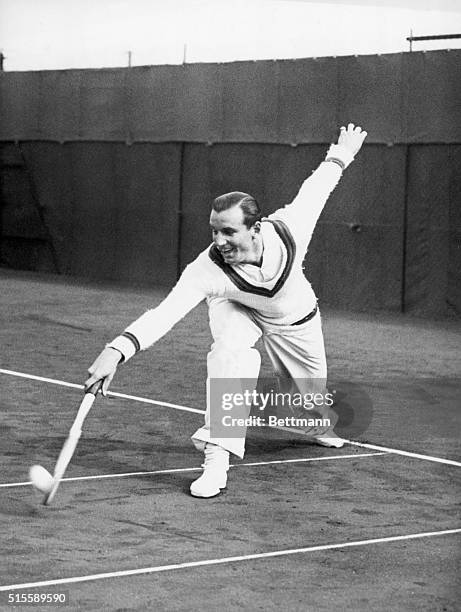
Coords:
232,237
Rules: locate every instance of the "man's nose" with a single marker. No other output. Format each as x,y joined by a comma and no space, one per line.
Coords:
219,240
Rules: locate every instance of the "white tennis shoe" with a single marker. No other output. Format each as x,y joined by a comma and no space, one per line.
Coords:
330,439
214,477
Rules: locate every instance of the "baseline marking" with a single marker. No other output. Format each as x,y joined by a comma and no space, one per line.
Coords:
187,409
224,560
196,469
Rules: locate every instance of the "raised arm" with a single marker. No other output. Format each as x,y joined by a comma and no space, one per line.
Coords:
302,214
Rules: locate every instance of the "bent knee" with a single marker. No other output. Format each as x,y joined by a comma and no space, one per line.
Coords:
233,360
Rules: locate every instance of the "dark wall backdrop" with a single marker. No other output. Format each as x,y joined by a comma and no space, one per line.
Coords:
109,173
100,210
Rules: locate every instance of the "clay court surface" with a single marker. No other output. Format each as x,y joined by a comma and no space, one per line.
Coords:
300,527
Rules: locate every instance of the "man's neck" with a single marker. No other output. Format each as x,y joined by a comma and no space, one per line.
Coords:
256,259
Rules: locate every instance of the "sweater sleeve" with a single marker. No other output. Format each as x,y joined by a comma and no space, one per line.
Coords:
302,214
189,291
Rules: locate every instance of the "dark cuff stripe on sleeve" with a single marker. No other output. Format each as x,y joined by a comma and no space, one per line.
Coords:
133,339
335,160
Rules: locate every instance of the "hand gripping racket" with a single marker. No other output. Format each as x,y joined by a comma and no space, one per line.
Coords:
72,440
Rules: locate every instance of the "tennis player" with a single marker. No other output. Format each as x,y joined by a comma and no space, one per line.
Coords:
253,281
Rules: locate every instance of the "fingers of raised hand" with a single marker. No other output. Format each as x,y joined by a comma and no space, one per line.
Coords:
352,137
352,128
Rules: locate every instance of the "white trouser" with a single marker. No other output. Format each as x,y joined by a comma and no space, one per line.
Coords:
296,352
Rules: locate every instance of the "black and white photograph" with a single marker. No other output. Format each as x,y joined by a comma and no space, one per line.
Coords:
230,305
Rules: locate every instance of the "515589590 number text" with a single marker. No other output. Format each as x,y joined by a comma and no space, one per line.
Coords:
49,599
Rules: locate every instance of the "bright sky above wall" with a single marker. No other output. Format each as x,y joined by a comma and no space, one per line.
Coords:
55,34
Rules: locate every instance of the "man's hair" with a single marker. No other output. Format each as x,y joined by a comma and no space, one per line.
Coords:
248,204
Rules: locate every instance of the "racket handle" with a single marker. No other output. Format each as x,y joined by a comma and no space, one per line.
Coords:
95,387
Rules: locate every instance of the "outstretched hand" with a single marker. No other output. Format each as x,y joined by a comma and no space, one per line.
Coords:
104,368
352,138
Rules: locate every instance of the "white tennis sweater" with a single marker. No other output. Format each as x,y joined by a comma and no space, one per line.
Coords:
277,292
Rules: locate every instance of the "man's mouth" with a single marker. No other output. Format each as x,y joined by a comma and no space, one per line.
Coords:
227,251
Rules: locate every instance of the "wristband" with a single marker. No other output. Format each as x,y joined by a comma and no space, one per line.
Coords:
125,345
339,155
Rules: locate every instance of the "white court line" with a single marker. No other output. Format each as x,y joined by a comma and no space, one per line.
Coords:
187,409
224,560
395,451
196,469
113,393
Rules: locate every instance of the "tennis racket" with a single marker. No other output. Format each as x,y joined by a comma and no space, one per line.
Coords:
71,442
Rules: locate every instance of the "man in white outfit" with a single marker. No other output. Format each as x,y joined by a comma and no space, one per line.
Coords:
254,284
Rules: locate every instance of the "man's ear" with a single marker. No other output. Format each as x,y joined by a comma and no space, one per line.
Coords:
257,227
